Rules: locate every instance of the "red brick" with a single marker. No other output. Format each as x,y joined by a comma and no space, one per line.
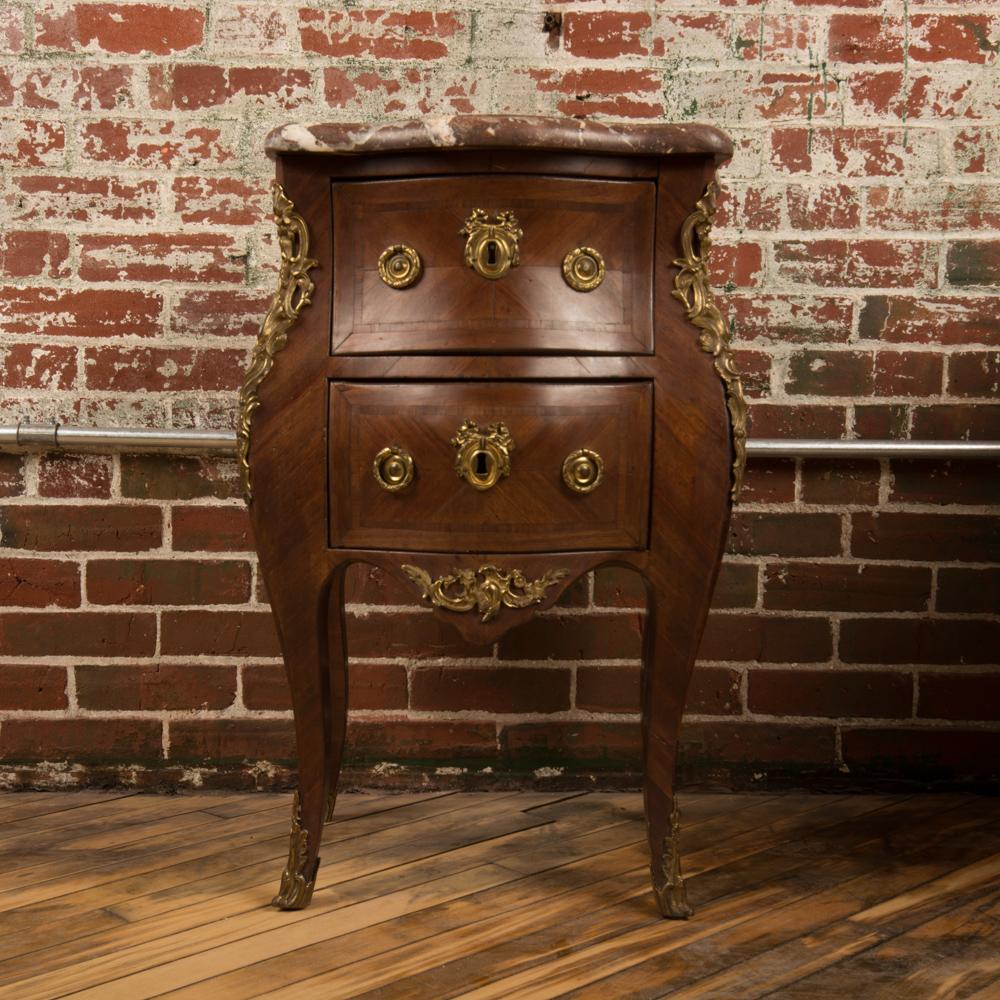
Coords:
229,313
968,590
85,199
934,207
974,374
32,366
840,482
31,254
973,482
39,583
416,634
115,741
924,754
791,534
69,528
11,475
740,265
864,38
32,687
713,690
605,34
974,150
152,145
831,693
75,476
804,586
11,30
852,151
973,262
969,697
832,206
882,422
830,373
769,480
756,743
129,29
153,369
211,529
679,34
574,637
171,477
973,422
857,263
192,87
32,143
219,742
448,742
381,34
248,28
103,88
599,744
155,687
926,537
965,37
794,94
167,581
618,587
202,257
86,313
919,640
371,686
500,690
218,633
736,586
78,633
922,98
908,373
766,639
753,207
219,201
627,93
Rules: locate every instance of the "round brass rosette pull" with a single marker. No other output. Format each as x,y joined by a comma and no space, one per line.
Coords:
583,471
399,266
483,453
583,269
393,469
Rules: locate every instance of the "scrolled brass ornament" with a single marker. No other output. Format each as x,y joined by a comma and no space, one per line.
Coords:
486,589
492,248
400,266
295,890
483,455
393,468
692,288
583,470
583,269
294,293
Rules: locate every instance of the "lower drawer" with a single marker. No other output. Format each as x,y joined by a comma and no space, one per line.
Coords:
489,466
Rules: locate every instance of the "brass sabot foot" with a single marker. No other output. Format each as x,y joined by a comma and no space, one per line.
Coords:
668,885
297,885
673,903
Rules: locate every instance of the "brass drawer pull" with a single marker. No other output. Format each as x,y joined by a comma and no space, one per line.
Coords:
583,269
583,471
393,469
399,266
492,247
483,455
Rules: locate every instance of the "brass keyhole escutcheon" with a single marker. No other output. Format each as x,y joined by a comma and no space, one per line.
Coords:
583,269
492,247
483,455
399,266
393,469
583,471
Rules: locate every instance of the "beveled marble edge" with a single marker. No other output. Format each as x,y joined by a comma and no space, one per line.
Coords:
499,132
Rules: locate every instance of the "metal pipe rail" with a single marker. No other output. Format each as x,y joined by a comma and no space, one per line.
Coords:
205,441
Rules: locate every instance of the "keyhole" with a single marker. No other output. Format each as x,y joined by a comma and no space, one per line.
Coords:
491,253
482,464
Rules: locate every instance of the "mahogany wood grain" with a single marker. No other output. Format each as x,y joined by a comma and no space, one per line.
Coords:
663,511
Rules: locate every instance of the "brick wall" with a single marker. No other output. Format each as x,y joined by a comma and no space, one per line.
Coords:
854,638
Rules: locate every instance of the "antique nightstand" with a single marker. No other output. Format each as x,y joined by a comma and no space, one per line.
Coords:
492,364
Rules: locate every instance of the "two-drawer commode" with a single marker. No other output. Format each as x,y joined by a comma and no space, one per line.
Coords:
492,364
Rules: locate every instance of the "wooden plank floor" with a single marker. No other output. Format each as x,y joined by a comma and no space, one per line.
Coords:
525,895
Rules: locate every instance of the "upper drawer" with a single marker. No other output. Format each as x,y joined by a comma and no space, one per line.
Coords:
451,308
